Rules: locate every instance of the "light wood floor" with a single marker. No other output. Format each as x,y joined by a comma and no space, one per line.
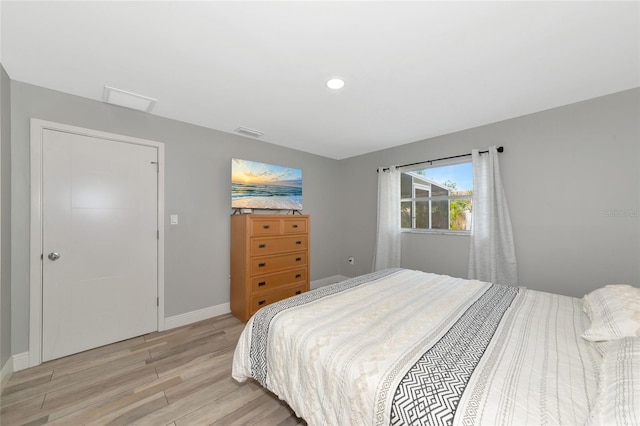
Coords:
177,377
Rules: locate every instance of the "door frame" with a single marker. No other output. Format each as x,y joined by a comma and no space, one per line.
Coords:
35,251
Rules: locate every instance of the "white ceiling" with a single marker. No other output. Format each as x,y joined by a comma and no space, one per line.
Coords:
413,70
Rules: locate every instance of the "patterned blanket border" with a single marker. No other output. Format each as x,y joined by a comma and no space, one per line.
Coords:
431,389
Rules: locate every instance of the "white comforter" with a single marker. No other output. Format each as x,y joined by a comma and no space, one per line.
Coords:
376,352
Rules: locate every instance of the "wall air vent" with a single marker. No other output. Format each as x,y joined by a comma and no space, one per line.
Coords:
249,132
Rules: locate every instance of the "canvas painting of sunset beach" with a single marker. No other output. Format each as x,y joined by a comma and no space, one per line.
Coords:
265,186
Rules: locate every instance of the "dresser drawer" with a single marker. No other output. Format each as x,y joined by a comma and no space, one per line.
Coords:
264,283
265,227
263,246
258,302
295,226
266,264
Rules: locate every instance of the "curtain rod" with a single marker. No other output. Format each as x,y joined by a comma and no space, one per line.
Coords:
499,149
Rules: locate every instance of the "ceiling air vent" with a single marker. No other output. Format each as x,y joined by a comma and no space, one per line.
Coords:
127,99
249,132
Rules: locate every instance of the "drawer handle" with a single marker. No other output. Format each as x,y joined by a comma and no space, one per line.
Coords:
298,275
299,291
298,259
262,302
295,225
266,226
298,242
261,283
261,265
262,245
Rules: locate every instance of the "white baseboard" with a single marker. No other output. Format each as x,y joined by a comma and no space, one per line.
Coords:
326,281
195,316
20,361
5,373
15,363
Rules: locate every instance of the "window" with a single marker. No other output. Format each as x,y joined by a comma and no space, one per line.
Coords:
437,198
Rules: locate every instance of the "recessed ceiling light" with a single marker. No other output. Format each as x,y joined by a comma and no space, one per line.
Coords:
335,83
127,99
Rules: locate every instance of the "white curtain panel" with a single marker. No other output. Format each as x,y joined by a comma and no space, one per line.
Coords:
492,255
388,245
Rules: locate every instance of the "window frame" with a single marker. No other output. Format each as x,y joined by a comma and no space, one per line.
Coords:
449,198
413,202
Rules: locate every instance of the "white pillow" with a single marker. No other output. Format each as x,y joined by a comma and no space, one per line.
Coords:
618,401
614,311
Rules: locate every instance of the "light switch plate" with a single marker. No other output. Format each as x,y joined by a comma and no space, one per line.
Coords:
174,219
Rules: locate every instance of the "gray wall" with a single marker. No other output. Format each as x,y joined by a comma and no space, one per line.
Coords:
565,172
197,188
5,215
562,168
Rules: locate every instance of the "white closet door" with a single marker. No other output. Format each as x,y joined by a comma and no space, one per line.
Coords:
100,265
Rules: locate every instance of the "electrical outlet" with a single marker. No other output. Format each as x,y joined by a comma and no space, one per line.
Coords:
352,260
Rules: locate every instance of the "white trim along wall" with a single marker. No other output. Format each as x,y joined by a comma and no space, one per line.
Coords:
195,316
6,372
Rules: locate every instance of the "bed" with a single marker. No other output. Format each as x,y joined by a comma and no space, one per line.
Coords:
407,347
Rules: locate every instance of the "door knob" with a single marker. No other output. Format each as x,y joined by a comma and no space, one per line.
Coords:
54,256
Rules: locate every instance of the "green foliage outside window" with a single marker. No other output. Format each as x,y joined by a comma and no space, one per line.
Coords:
458,207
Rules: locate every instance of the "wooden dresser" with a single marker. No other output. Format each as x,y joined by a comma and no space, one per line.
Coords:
269,260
